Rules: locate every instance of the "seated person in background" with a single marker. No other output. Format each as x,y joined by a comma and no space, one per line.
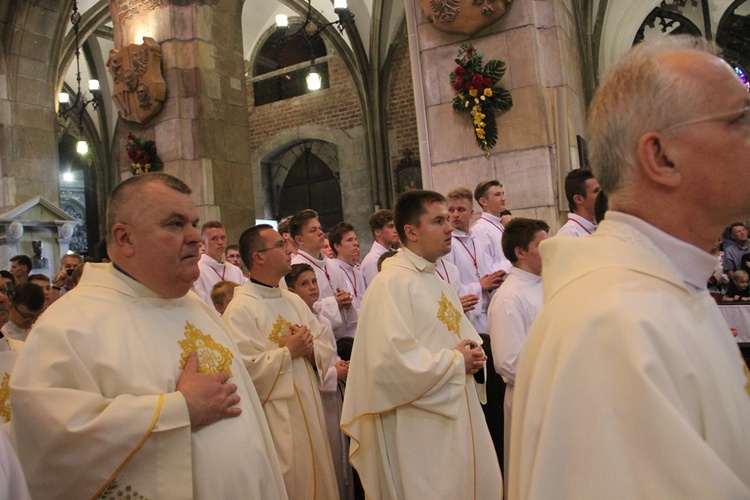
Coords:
735,248
302,281
738,290
222,293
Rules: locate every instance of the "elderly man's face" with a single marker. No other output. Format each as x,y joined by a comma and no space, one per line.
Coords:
739,234
164,240
69,262
712,148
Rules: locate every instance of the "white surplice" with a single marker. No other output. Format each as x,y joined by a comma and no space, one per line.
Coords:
330,277
259,318
630,384
370,262
95,405
513,308
488,231
413,414
355,280
577,227
468,256
213,271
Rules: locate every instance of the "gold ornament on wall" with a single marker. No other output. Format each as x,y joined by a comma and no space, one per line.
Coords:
139,88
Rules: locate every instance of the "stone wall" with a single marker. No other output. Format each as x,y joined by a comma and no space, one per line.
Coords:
537,137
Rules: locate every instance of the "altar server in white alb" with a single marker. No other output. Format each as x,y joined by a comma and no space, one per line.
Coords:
412,406
336,294
468,255
345,246
581,190
515,305
631,384
385,236
131,385
213,264
287,353
488,229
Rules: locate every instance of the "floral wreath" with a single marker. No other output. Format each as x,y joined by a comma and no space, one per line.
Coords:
477,94
142,154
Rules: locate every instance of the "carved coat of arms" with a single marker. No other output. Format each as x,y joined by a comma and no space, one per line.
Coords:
463,16
139,88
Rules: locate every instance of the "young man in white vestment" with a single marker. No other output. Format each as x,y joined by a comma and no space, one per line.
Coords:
630,384
412,406
488,229
336,294
515,305
129,384
213,264
581,190
385,235
287,353
345,246
468,255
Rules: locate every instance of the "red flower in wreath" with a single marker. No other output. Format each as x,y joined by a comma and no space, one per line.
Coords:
477,81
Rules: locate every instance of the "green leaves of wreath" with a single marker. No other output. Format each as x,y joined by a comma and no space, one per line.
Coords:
477,93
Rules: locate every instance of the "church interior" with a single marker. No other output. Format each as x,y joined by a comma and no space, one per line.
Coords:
223,90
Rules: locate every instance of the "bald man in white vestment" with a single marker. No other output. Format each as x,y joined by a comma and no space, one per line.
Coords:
131,385
412,407
631,384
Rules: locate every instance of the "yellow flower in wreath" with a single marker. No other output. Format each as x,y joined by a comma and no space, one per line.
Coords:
488,92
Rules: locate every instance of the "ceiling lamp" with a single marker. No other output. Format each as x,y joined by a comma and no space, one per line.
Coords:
80,101
311,28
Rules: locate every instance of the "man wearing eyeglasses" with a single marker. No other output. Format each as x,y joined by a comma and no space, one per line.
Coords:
287,353
26,305
630,383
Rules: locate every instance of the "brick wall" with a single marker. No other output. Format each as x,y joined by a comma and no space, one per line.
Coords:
336,107
401,113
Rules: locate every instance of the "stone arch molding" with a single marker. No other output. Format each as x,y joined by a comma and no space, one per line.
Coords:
273,158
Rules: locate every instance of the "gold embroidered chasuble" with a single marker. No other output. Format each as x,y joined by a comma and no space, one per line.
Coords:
408,396
95,408
258,318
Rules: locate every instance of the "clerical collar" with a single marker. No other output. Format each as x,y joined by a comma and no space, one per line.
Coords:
253,280
211,260
586,224
693,264
459,234
321,258
418,261
124,272
491,217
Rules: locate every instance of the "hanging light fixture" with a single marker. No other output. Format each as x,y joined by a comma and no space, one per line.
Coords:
311,28
80,101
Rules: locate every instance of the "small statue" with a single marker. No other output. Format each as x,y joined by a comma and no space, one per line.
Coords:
38,261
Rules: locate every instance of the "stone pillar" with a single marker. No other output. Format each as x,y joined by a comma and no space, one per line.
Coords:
202,134
537,138
29,158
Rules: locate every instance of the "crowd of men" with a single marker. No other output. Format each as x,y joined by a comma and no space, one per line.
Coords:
183,367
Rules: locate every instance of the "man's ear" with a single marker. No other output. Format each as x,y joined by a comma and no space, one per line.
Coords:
520,253
298,241
578,199
121,239
656,161
410,232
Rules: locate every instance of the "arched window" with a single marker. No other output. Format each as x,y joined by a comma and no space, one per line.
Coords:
281,67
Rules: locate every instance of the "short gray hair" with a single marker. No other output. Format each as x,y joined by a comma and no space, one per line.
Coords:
636,96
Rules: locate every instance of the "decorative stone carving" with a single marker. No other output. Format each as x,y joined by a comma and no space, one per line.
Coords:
139,88
463,16
15,230
67,230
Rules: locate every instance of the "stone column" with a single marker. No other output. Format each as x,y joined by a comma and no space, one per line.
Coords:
202,134
537,138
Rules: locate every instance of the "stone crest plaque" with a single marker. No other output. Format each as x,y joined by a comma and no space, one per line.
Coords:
463,16
139,88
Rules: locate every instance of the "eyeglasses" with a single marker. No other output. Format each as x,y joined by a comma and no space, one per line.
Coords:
280,246
27,316
740,115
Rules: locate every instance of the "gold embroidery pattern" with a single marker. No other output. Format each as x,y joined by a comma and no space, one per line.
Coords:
448,314
5,398
747,374
278,334
212,356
